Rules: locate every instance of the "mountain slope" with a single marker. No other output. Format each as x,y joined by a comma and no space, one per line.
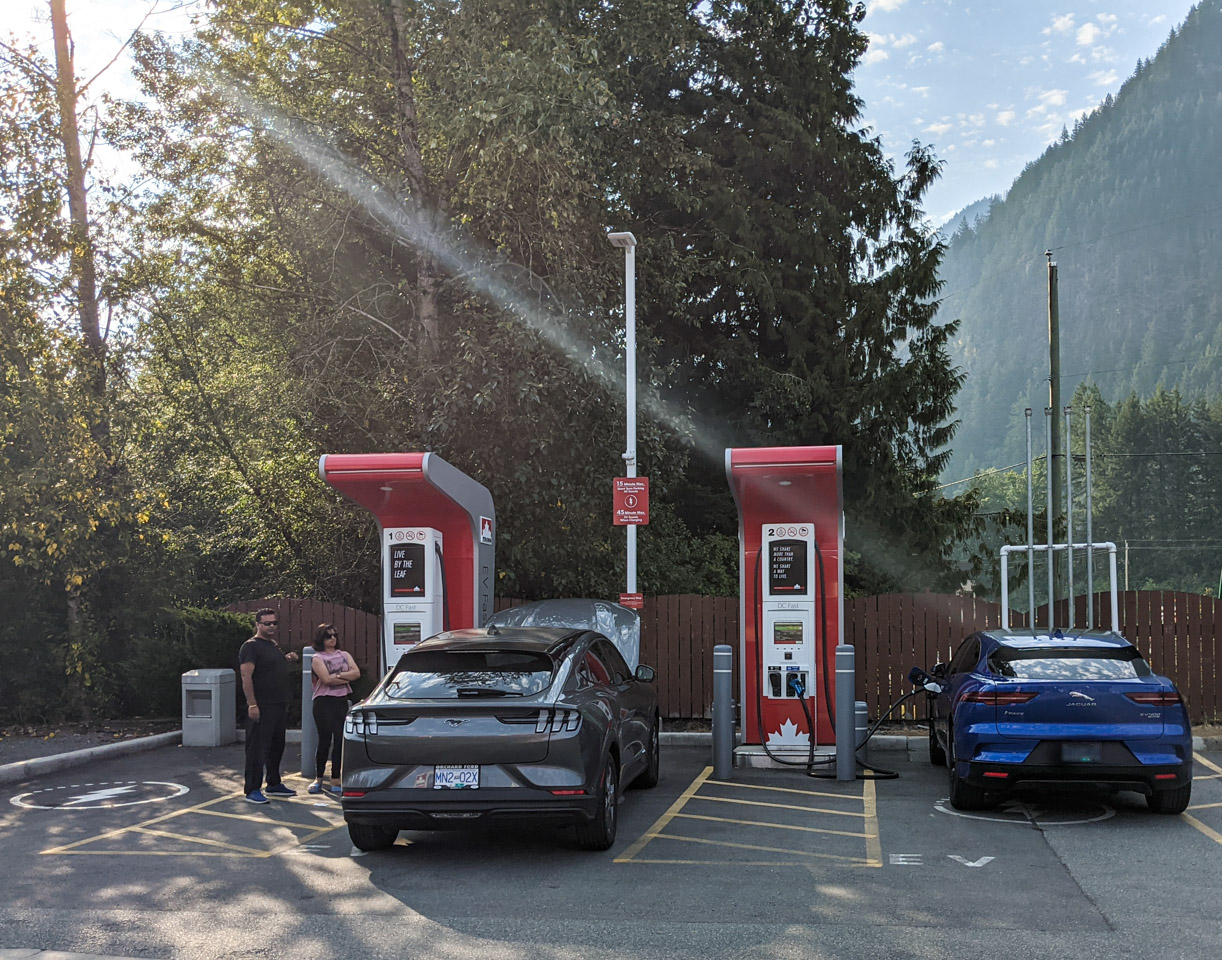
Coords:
1130,205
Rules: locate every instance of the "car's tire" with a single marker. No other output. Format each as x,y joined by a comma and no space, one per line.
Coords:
371,836
653,769
937,756
963,796
1170,801
599,833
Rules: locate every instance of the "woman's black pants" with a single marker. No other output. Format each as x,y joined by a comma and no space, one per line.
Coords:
329,715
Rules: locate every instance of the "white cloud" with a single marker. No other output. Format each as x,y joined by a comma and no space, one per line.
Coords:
1053,98
1087,34
1060,25
1005,118
937,129
988,143
906,40
875,55
990,164
1155,21
936,47
1104,78
1107,19
887,6
923,91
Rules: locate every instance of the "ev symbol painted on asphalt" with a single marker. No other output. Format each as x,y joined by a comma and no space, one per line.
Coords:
1066,813
915,860
102,795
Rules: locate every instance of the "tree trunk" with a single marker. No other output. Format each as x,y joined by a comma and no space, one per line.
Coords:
428,278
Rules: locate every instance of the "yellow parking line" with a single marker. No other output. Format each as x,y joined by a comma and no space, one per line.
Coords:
1204,806
874,850
805,793
663,820
143,823
1208,831
761,849
778,826
1212,766
782,806
250,819
237,848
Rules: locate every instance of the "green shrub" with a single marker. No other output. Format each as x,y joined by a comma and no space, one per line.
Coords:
178,640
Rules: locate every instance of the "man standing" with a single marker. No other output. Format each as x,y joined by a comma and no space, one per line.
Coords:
265,682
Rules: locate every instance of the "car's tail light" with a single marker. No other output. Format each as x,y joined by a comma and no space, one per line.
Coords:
360,723
568,793
996,774
557,720
997,698
354,793
1161,698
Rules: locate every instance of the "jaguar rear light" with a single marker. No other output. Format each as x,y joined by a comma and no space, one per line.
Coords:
568,793
998,698
354,793
1160,698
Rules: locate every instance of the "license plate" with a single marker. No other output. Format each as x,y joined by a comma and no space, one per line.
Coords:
454,776
1081,752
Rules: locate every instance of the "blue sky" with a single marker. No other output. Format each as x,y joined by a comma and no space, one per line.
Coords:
990,84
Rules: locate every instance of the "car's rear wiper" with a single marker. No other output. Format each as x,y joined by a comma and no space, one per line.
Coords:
485,692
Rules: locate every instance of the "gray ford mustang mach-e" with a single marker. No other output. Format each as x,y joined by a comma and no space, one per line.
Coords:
500,723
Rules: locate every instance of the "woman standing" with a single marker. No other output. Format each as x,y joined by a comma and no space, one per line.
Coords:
334,670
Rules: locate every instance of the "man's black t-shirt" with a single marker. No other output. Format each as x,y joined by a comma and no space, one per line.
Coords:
271,677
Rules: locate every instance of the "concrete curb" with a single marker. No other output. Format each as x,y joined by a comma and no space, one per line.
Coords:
41,766
37,953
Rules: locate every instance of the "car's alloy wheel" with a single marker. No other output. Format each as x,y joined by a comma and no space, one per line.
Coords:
1174,800
649,776
963,796
370,836
599,833
937,756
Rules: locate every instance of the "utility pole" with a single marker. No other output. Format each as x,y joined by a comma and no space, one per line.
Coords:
1055,466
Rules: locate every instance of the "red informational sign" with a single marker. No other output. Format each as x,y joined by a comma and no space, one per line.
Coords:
634,600
630,501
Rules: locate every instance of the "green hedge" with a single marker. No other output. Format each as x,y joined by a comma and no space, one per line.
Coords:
178,640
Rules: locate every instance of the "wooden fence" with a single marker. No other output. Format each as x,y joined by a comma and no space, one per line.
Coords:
891,633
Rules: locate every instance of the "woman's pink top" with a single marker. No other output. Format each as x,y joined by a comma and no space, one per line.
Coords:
335,662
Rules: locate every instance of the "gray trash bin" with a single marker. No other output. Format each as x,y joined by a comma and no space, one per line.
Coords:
209,711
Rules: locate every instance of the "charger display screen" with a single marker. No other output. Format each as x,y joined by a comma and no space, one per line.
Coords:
786,633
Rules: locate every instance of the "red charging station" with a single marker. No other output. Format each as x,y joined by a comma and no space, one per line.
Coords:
790,514
437,533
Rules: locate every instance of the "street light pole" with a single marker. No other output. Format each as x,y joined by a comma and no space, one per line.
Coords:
628,242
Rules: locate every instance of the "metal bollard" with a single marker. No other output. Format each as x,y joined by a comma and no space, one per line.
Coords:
846,674
861,713
309,732
723,711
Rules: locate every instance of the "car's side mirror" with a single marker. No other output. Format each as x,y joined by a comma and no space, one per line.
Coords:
646,673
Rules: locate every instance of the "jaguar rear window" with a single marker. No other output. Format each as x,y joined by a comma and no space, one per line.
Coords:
1070,663
454,675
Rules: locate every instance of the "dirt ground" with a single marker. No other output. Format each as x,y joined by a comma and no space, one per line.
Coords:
29,741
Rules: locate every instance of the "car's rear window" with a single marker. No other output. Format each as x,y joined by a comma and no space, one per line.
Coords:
442,675
1071,663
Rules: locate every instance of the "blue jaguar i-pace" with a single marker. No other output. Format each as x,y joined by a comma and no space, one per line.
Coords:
1021,709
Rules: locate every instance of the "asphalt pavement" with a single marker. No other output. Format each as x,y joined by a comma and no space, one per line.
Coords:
157,854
